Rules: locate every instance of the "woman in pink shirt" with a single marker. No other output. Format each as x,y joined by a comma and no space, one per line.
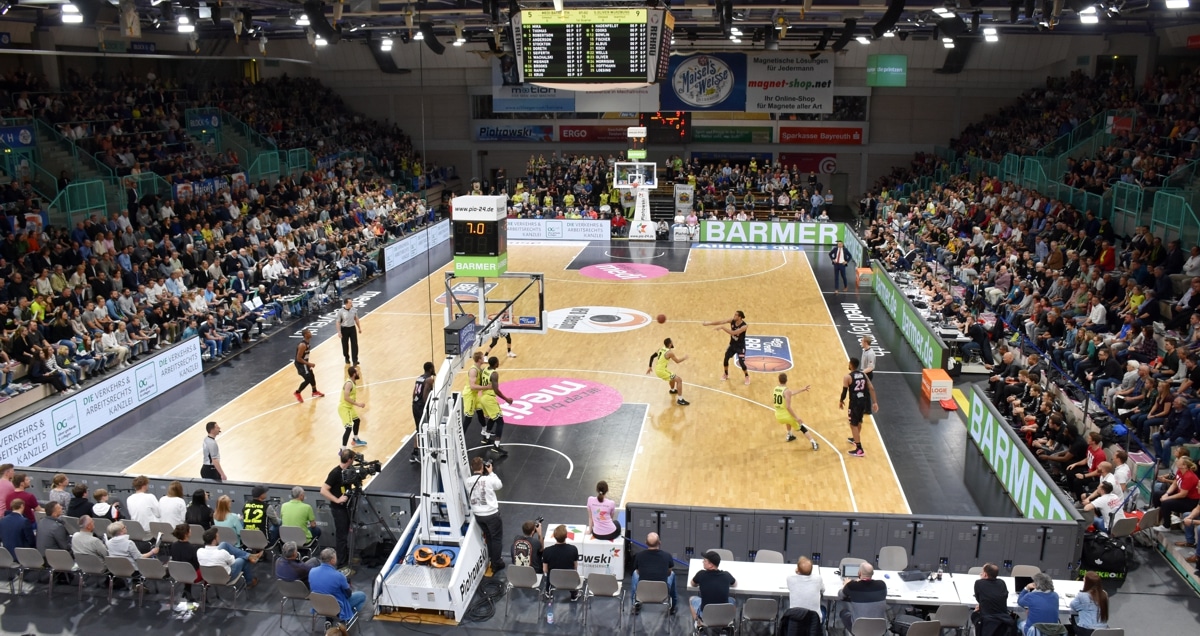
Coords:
602,521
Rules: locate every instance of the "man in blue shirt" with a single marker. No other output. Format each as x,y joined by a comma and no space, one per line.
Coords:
325,579
15,529
1041,600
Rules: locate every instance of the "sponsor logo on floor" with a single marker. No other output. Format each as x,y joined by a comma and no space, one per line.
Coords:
597,319
466,292
861,326
624,271
557,401
768,354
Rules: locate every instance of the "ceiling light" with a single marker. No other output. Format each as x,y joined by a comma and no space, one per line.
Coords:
1177,4
1089,16
889,34
862,39
302,20
71,15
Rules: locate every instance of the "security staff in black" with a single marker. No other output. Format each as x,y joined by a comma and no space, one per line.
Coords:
348,329
334,491
420,397
861,392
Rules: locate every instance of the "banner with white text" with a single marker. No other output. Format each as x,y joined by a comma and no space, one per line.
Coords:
789,83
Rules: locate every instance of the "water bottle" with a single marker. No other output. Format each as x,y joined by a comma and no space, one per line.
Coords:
550,613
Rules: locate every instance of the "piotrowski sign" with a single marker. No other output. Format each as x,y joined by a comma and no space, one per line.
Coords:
928,347
781,232
1027,485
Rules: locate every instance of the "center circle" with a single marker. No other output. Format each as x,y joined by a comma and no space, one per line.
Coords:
624,271
557,401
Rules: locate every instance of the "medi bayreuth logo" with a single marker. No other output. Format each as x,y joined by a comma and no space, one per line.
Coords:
557,401
597,319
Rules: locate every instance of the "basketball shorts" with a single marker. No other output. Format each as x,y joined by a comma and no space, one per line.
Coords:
347,413
491,407
787,420
740,352
664,374
469,403
857,411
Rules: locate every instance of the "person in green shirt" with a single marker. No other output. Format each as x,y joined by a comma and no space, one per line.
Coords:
299,514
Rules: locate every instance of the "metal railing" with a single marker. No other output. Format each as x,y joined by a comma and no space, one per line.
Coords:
1127,206
80,197
1174,217
1183,177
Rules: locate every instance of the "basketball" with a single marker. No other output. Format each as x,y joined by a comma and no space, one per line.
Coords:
661,318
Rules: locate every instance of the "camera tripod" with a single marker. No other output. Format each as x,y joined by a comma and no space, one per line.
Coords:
355,503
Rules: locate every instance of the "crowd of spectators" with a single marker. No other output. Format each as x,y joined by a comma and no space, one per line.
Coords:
77,302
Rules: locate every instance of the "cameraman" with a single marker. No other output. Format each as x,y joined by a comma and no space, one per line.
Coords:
482,495
334,490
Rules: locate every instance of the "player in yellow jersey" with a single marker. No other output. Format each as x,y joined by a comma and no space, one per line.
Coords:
470,392
658,365
347,408
781,399
494,420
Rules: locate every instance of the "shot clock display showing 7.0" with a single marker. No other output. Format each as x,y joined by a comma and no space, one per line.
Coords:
480,238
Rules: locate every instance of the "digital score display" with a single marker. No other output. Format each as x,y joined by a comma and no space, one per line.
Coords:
667,127
480,238
593,46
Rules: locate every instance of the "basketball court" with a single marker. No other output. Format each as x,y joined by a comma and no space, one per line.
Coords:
585,408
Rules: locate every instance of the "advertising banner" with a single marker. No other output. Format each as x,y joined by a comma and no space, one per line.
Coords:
590,134
684,195
510,96
53,428
558,230
928,346
806,162
779,232
705,81
887,70
732,134
620,100
740,157
1025,481
190,189
789,83
513,132
410,247
143,47
18,136
813,135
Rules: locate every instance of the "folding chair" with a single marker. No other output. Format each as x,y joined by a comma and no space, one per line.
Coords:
868,627
151,570
101,526
120,568
196,534
726,555
1030,570
256,541
607,586
60,562
7,564
225,534
520,577
291,591
892,557
759,610
182,572
925,628
72,524
956,617
327,607
89,564
975,570
163,530
136,531
652,593
767,556
1108,631
297,535
29,559
217,576
717,616
565,580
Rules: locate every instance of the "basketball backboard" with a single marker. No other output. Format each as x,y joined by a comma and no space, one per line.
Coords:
513,302
627,173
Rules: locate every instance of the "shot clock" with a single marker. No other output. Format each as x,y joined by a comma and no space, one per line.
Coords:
480,227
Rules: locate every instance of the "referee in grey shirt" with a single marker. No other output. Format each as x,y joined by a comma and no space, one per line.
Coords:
211,469
868,359
348,329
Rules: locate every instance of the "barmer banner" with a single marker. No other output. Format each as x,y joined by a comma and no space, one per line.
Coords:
777,232
789,83
928,346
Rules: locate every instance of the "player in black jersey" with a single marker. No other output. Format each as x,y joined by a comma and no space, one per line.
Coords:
862,400
736,328
420,396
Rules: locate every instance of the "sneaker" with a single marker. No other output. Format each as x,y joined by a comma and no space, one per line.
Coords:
672,391
672,609
815,446
858,452
499,451
511,354
1160,528
724,377
791,438
747,382
850,439
358,442
682,402
413,459
637,607
347,360
299,398
318,394
574,597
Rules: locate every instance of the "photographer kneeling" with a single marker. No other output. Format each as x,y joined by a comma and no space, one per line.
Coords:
482,488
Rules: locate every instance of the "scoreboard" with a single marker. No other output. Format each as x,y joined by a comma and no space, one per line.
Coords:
593,46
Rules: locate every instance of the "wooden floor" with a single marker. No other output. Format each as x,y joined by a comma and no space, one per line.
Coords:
725,449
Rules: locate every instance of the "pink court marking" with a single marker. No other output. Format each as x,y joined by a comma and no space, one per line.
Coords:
557,401
624,271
